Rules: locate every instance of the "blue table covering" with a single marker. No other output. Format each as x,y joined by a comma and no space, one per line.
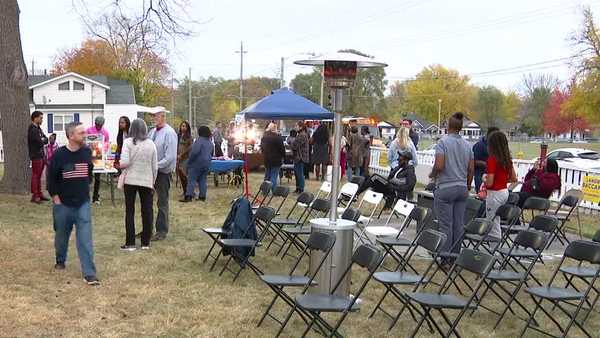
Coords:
221,166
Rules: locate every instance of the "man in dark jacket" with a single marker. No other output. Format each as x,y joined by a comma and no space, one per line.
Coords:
403,181
273,152
35,142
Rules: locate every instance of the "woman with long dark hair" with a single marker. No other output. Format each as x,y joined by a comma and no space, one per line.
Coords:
500,172
184,143
320,151
124,125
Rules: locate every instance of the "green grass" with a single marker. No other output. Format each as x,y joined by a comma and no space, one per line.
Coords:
166,291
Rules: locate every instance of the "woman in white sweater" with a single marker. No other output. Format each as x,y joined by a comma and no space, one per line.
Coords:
139,164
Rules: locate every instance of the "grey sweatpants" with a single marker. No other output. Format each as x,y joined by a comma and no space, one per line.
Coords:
493,201
450,204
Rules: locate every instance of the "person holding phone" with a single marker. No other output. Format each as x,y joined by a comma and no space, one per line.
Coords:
541,181
499,173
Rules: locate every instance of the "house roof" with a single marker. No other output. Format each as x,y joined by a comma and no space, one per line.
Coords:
117,91
416,119
58,77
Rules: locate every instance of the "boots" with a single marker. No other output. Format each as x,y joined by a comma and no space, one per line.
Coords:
186,199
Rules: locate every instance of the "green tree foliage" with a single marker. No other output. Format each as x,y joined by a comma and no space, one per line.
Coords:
537,91
489,106
309,85
437,82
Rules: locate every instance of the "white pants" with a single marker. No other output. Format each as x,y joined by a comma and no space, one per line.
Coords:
493,201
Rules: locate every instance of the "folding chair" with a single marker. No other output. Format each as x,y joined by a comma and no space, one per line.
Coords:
302,201
401,208
584,274
567,205
346,196
312,305
240,249
497,281
579,251
390,244
513,198
533,204
282,192
351,214
261,194
469,260
431,241
472,209
317,241
373,200
509,216
324,190
318,208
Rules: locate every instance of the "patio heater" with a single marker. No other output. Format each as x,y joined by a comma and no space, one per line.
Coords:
339,72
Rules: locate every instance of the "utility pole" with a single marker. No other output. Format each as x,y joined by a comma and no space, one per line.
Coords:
242,52
322,86
190,97
439,116
281,78
32,66
172,94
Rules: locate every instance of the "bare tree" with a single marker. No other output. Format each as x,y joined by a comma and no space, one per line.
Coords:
586,42
531,82
162,17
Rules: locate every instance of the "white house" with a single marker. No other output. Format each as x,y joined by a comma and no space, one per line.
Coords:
73,97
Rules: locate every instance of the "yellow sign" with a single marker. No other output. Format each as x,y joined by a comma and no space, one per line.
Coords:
383,160
591,188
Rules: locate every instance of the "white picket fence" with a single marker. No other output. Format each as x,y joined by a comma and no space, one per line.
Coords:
571,177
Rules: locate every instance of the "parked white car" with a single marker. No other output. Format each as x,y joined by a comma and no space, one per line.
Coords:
578,157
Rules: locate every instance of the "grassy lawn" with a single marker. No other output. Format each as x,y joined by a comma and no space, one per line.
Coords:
166,291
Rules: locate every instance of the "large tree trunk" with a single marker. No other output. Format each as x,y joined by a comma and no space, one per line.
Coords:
14,105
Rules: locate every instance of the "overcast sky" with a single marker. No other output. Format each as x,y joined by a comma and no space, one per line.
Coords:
472,36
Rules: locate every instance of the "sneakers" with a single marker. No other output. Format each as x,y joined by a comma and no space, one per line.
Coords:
59,266
128,248
91,280
145,247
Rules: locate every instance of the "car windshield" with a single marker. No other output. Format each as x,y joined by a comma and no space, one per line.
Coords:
591,155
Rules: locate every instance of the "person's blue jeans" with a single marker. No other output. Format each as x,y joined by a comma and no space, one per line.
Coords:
299,173
64,219
348,170
449,204
197,176
272,174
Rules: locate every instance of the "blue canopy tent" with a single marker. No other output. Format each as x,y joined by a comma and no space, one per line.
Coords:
282,104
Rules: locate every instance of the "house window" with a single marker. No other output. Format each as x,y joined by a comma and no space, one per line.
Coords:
61,120
64,86
78,85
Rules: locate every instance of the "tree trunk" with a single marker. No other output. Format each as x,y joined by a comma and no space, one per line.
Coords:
14,105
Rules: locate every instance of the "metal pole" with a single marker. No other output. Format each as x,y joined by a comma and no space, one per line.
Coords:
190,95
337,139
241,75
322,87
281,77
439,116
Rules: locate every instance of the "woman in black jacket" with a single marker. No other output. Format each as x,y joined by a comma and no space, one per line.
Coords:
273,152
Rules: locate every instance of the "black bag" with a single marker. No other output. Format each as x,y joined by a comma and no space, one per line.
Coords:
535,184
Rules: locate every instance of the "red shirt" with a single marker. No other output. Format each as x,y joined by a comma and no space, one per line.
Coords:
501,175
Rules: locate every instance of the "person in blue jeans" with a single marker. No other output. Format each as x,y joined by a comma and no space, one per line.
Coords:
273,151
69,177
453,173
199,164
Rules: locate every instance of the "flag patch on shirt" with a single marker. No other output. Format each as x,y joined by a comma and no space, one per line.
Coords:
80,171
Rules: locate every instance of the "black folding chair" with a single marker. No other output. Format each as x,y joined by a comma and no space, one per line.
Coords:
567,205
312,305
509,217
429,240
351,214
391,244
282,192
319,207
302,202
261,194
317,241
513,198
498,281
472,209
579,251
534,204
469,260
565,211
240,249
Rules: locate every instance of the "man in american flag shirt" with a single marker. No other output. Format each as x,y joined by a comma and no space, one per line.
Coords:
69,176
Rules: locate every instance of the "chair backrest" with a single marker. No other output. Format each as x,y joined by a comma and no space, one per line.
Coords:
478,226
475,261
544,223
348,192
581,250
534,240
265,214
263,190
358,180
431,240
371,197
403,208
320,205
324,189
536,203
596,237
281,191
322,241
513,198
421,216
305,198
351,214
508,213
367,256
472,209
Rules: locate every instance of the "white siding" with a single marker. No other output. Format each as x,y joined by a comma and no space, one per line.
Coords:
54,96
112,113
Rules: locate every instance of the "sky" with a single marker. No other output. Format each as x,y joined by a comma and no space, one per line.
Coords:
486,39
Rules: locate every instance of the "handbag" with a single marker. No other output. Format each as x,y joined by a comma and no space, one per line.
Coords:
121,179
